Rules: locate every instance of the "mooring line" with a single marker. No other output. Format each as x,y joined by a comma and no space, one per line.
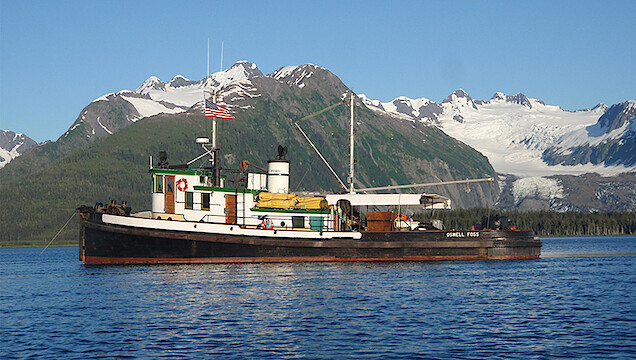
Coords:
58,233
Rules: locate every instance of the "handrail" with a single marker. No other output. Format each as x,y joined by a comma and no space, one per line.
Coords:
327,224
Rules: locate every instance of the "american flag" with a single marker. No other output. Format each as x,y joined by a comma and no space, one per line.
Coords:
217,111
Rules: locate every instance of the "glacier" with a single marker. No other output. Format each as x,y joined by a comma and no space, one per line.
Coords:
512,131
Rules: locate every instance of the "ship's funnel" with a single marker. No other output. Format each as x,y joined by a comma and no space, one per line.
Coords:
278,176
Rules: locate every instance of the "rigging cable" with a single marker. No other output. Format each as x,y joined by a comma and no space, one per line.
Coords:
309,167
58,233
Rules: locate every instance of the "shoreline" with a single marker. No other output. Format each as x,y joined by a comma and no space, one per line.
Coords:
34,244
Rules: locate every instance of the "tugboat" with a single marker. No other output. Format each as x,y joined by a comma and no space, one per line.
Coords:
246,215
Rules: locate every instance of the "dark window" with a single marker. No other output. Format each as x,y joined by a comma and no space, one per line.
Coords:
189,200
159,183
205,201
298,221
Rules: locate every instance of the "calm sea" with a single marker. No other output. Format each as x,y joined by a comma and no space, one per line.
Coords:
578,301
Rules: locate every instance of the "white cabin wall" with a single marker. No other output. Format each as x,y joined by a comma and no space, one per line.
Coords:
158,202
216,214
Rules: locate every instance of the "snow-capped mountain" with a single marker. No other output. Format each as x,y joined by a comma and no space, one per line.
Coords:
296,75
113,111
420,109
610,141
13,145
522,135
518,134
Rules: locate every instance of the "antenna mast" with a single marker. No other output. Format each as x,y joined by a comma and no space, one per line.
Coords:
217,166
221,69
214,151
351,160
208,73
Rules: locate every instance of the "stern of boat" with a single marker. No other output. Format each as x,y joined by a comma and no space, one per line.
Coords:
515,245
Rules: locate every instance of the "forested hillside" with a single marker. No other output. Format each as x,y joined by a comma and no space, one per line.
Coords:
545,223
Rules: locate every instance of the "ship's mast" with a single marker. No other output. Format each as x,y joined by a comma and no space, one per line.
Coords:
215,149
351,140
214,124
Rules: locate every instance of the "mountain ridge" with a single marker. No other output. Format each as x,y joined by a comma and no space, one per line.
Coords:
522,135
112,112
535,133
528,147
13,145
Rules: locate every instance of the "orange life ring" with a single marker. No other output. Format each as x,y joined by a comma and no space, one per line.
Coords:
243,164
403,217
182,184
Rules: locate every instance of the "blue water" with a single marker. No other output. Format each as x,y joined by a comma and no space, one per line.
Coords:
578,301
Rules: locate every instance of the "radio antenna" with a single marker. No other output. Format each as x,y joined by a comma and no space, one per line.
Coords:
208,73
221,69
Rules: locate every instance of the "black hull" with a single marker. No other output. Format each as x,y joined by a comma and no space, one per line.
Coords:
102,243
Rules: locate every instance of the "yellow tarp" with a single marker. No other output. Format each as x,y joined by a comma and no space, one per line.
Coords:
266,196
290,202
311,203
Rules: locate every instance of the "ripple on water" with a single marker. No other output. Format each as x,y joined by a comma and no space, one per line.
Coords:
559,306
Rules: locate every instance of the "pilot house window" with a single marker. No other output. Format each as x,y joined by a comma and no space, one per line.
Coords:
159,183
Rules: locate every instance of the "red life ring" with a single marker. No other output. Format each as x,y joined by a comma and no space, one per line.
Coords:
182,184
267,224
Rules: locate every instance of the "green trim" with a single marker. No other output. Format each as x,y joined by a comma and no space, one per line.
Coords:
180,172
300,211
228,190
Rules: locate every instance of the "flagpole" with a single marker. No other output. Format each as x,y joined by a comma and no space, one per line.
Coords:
215,151
217,166
212,159
214,124
206,82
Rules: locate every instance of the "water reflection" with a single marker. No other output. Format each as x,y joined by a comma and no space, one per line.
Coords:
591,246
563,305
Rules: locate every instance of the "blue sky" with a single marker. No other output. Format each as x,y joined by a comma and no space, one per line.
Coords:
58,56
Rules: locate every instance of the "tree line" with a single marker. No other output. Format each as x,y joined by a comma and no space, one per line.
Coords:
543,223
